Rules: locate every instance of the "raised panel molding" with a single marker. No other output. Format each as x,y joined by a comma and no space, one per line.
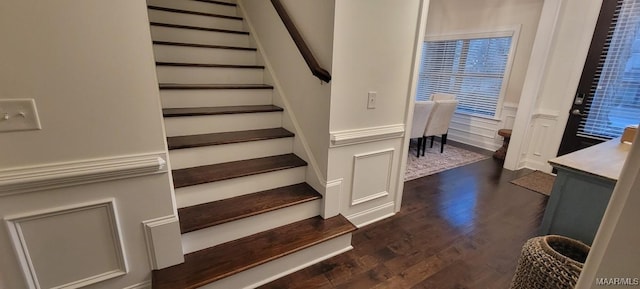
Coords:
164,245
51,176
364,135
69,247
371,176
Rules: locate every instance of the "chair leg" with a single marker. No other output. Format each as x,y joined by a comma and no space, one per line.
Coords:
424,144
432,140
418,148
444,141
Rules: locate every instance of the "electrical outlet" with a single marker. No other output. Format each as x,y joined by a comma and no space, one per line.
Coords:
371,100
18,114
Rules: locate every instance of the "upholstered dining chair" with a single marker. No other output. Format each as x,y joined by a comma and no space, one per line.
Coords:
442,96
421,114
439,122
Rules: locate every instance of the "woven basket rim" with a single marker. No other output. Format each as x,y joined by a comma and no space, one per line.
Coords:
577,244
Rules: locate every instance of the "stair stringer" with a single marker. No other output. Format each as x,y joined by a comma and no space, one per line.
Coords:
314,175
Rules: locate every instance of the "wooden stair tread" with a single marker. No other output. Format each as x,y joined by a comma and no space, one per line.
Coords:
217,2
174,10
213,65
212,264
203,45
198,28
214,213
192,141
218,110
224,171
213,86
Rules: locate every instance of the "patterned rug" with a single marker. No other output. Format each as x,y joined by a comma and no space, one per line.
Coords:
536,181
434,162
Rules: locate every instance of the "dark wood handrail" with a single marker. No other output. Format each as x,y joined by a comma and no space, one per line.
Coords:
318,71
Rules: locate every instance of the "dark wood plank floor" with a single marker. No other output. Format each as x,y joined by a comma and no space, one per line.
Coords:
461,228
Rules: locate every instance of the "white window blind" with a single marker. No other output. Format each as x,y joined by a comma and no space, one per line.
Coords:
473,69
613,101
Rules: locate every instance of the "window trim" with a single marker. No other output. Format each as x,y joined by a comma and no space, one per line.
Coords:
505,31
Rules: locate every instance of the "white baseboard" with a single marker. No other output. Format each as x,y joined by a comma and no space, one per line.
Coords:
141,285
372,215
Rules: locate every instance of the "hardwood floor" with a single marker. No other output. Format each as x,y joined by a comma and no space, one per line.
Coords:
461,228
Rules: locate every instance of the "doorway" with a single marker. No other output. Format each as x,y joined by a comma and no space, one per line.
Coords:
608,95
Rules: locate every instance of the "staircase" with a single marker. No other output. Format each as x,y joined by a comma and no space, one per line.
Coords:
247,216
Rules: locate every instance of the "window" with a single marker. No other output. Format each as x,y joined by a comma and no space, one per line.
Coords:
474,68
613,101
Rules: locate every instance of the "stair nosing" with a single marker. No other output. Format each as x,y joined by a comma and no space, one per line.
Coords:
198,28
176,86
295,162
184,44
345,227
229,110
278,133
308,195
176,10
217,2
208,65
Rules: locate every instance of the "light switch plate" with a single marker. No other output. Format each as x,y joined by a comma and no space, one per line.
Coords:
18,114
371,99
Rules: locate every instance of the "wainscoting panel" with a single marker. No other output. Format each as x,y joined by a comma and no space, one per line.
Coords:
544,126
69,247
482,132
371,176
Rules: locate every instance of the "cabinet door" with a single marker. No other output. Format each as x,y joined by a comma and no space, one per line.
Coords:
576,205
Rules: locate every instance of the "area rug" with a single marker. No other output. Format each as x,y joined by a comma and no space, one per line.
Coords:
536,181
434,162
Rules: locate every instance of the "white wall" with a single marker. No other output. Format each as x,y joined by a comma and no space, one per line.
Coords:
374,50
314,19
448,17
91,91
451,16
562,43
89,66
304,97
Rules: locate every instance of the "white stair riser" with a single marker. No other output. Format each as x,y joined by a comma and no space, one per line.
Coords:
175,98
285,265
204,193
160,33
195,20
212,75
196,6
190,125
171,53
212,236
208,155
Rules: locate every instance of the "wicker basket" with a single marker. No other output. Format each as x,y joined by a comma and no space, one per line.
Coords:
550,262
